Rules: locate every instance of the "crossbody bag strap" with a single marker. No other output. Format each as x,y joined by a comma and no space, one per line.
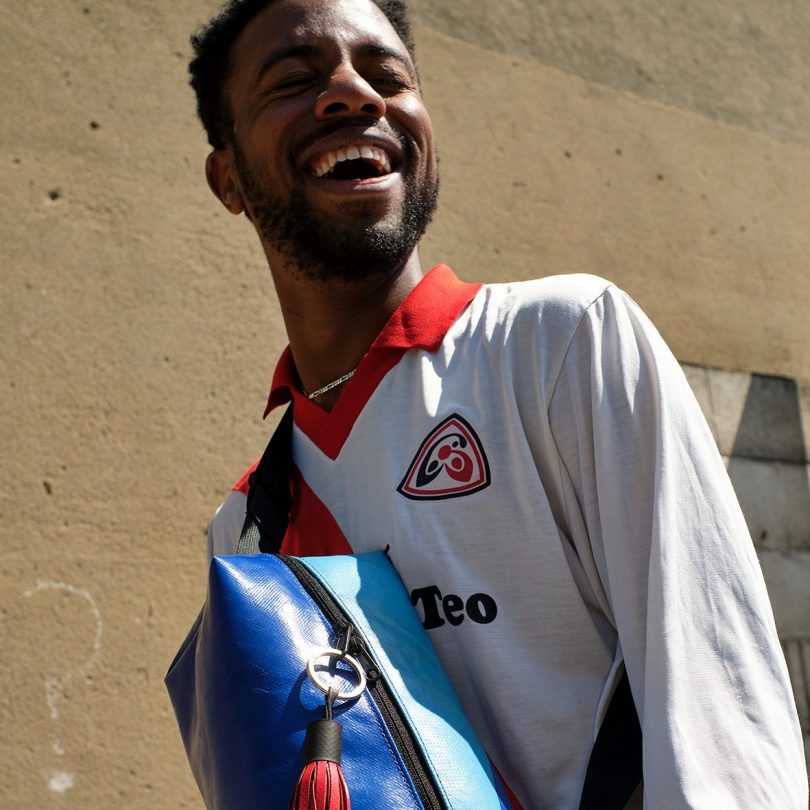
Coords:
269,499
615,769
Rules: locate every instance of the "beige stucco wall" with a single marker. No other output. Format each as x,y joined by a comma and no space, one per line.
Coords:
140,329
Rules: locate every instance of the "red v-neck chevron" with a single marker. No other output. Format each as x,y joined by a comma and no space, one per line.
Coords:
420,322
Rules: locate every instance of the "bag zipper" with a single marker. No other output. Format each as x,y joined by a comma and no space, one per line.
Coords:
380,692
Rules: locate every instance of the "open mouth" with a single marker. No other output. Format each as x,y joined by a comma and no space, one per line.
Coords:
360,162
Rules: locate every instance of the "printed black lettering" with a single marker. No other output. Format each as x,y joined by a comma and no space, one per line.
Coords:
439,610
453,609
481,608
429,597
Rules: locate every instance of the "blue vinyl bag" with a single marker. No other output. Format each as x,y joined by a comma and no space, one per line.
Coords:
243,699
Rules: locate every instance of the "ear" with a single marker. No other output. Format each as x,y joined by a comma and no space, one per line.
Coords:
223,180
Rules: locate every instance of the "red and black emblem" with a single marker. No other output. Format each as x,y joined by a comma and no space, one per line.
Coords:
450,463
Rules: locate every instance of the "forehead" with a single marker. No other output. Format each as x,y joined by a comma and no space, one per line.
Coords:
328,25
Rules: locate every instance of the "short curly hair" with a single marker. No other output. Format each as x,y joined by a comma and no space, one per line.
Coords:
210,68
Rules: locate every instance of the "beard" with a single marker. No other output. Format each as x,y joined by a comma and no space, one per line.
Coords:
325,250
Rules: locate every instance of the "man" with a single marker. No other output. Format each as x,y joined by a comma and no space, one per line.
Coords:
531,452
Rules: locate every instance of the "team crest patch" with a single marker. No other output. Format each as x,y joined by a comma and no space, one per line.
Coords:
450,463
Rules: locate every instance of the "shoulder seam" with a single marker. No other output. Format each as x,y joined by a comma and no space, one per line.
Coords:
574,331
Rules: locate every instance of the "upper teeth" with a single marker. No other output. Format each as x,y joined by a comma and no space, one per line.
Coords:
324,163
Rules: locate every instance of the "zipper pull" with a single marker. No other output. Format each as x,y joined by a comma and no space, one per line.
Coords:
359,651
345,640
372,674
350,642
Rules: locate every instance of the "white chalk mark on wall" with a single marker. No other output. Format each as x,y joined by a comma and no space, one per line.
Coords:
61,781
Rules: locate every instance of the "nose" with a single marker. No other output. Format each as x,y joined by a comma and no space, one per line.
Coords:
349,94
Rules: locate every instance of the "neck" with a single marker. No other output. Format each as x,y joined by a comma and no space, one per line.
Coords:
332,324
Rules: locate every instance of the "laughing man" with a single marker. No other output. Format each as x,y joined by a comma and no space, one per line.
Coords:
531,452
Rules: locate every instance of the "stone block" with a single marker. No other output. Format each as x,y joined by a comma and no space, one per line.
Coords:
807,751
787,575
698,379
728,391
775,499
771,422
804,407
797,656
754,415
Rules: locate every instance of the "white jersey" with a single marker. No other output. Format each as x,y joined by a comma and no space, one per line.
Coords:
557,507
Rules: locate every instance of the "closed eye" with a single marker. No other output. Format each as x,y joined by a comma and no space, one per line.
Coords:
390,84
390,79
288,84
291,84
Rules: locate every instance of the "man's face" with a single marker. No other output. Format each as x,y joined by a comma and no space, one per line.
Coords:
333,146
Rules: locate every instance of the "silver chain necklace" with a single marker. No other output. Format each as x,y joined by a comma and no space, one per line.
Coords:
328,386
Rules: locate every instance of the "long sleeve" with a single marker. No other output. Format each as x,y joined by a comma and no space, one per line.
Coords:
657,527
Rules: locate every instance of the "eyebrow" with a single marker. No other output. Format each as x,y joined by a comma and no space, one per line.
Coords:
373,49
309,51
280,55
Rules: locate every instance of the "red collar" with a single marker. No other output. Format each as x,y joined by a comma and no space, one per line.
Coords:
420,322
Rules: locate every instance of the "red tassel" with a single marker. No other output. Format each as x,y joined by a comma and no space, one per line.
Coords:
321,785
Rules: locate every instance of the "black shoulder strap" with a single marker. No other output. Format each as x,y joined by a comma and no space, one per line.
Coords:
269,499
614,770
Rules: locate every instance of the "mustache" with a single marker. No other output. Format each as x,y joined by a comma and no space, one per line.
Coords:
327,128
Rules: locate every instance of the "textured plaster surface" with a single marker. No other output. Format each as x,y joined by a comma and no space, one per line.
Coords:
742,62
140,329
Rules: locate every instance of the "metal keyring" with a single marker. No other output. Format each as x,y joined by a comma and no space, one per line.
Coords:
352,662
